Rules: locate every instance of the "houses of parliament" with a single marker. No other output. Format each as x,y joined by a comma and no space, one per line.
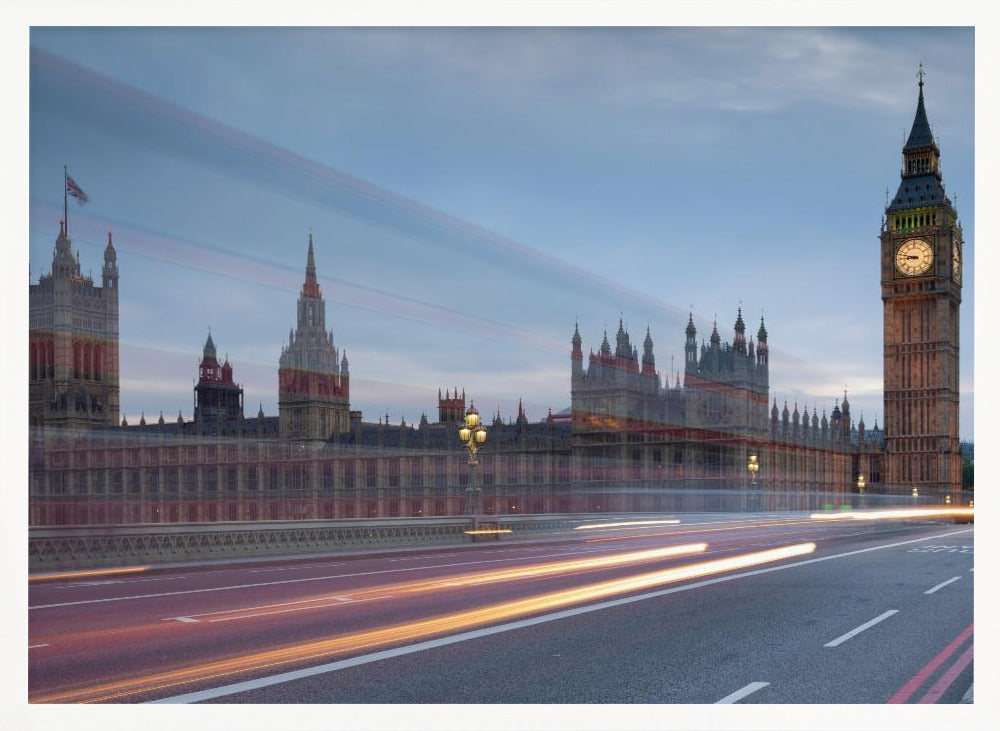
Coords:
629,442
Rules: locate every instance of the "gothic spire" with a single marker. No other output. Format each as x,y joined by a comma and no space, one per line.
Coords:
311,286
209,352
690,330
920,133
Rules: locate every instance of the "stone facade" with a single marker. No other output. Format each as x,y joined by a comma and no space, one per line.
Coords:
921,268
630,441
313,385
73,342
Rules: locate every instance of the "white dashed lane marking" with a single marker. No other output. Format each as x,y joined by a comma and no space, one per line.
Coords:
942,584
858,630
743,692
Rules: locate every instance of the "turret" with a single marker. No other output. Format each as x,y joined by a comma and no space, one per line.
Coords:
109,273
845,420
762,349
690,344
577,354
648,362
740,339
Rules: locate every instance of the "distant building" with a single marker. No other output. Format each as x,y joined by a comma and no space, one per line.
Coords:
217,397
631,439
921,265
313,385
73,342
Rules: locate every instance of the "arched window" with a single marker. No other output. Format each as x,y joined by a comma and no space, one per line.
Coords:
76,360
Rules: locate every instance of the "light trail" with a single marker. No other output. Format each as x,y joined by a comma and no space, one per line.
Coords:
88,574
894,514
487,532
628,523
699,530
340,599
409,631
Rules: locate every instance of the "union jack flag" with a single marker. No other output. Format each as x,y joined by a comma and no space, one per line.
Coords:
75,190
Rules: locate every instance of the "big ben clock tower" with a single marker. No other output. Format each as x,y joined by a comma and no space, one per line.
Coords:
921,269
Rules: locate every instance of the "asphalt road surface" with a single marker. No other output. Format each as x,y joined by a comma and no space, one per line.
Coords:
713,609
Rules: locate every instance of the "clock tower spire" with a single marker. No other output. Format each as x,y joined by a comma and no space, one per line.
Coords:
921,279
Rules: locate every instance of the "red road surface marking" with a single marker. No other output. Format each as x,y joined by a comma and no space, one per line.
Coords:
947,678
913,684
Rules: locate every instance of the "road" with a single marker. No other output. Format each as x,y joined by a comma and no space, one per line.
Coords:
711,609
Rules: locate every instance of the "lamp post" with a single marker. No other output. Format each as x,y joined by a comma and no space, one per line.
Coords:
861,490
753,467
472,435
915,495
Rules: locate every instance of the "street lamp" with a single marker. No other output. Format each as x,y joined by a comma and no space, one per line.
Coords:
947,500
753,467
472,435
915,494
861,490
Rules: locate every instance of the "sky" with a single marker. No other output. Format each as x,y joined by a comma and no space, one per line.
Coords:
473,193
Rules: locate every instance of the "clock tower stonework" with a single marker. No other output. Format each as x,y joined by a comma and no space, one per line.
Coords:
921,277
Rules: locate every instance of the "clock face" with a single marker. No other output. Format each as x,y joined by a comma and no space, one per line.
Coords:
914,257
956,264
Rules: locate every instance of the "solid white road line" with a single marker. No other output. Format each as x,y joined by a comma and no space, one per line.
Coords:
298,581
224,690
943,584
743,692
32,647
862,628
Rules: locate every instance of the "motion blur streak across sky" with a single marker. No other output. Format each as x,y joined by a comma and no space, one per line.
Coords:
311,651
644,171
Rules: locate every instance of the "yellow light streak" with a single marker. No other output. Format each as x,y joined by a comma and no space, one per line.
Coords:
475,579
409,631
628,523
88,574
893,514
485,532
698,530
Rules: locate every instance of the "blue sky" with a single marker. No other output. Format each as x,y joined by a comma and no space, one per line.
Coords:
473,192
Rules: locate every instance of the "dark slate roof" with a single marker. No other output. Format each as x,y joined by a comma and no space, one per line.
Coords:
918,191
221,427
920,133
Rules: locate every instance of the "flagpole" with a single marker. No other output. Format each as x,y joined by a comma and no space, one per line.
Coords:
65,201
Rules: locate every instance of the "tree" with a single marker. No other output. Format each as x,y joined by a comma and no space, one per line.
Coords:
967,475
